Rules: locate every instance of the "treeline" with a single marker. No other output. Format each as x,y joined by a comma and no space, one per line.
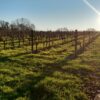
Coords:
18,24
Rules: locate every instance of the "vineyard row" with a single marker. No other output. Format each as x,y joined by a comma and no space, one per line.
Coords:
39,40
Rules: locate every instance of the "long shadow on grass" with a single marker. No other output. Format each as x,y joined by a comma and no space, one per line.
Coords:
28,86
51,68
7,59
4,59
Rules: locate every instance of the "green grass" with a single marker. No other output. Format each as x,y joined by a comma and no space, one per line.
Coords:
49,75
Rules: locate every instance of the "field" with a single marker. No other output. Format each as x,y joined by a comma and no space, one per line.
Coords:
50,74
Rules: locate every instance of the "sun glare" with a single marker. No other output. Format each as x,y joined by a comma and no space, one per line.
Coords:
98,19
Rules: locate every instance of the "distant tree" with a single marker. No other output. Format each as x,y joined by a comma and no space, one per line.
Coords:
91,29
4,24
32,27
22,24
62,29
13,26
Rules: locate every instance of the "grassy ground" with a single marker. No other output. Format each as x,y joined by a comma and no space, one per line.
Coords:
49,75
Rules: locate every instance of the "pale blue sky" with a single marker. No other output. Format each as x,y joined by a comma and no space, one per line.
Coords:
52,14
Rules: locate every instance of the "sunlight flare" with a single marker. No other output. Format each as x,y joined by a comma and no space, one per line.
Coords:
92,7
98,20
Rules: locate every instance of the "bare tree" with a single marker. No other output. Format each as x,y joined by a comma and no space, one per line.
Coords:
23,24
91,29
62,29
4,24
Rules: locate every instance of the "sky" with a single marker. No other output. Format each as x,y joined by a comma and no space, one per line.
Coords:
53,14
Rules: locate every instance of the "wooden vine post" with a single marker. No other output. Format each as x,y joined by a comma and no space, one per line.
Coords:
32,44
83,41
76,41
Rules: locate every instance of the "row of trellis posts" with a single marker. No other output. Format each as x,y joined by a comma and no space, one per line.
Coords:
38,40
81,39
